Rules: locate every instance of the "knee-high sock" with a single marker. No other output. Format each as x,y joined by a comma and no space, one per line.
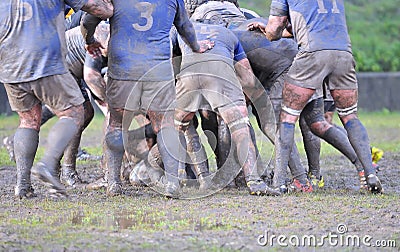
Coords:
196,151
296,168
312,146
358,137
60,136
25,145
341,142
283,146
173,152
224,143
114,152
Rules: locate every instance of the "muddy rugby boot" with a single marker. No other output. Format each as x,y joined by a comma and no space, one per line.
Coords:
114,189
50,178
70,177
172,190
24,192
317,182
203,185
8,143
363,180
259,188
297,186
374,184
97,184
83,155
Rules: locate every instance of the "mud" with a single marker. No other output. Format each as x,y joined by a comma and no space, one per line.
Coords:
231,219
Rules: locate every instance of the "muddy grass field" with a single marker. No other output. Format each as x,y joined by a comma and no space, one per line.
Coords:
338,217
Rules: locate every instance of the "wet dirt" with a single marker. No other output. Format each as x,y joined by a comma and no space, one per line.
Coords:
231,219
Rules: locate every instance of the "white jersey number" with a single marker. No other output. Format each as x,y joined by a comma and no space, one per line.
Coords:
25,12
321,7
146,9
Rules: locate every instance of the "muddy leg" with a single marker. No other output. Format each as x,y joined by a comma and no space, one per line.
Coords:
294,100
61,134
197,155
69,176
312,146
114,151
238,123
172,147
25,146
346,104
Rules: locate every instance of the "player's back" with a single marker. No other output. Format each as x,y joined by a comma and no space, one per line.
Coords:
32,40
225,44
140,38
317,24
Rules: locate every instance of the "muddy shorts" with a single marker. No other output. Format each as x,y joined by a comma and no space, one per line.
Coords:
192,89
141,95
310,69
59,92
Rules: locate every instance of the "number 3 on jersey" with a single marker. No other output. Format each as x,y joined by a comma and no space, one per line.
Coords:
321,7
146,9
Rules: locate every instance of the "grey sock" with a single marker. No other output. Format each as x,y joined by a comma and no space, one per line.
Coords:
25,146
59,137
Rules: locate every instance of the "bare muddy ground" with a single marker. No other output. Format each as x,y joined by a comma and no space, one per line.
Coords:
231,219
338,217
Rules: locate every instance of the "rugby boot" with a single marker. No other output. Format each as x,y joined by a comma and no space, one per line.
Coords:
203,185
259,188
24,192
374,184
69,176
363,180
83,155
114,189
24,189
297,186
98,184
50,178
172,189
317,182
283,189
8,142
376,167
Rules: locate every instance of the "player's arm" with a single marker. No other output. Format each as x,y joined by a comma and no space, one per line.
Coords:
288,32
277,21
186,30
99,8
88,27
275,27
244,72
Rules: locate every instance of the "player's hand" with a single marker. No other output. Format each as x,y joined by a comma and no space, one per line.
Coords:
94,49
252,26
205,45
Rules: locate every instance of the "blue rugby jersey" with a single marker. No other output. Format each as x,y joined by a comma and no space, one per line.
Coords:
32,39
140,40
226,48
317,24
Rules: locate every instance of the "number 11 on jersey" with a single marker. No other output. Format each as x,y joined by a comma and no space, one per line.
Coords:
321,7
